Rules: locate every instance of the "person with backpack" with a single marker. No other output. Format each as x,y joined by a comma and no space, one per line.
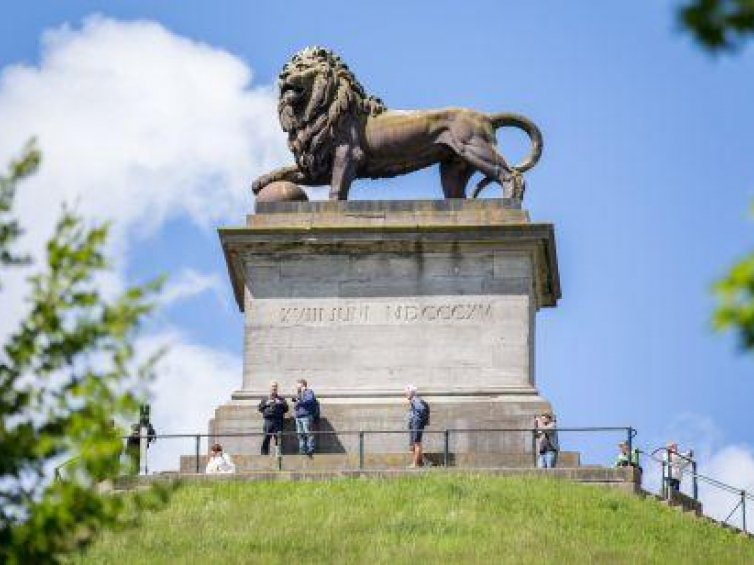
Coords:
273,409
307,416
418,419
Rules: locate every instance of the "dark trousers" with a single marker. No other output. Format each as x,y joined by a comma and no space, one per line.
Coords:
270,428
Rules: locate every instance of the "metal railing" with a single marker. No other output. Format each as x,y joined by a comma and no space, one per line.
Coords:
58,470
446,437
741,494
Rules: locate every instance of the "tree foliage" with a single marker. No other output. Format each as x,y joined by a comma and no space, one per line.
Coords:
735,294
719,24
65,374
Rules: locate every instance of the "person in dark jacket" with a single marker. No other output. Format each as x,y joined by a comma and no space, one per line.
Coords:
306,413
273,409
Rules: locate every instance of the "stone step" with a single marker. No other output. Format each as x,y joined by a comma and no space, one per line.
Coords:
626,479
687,505
378,461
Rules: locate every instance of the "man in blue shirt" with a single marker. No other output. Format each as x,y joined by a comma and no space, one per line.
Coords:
418,418
307,414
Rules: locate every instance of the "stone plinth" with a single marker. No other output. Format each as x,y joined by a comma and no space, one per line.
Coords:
361,298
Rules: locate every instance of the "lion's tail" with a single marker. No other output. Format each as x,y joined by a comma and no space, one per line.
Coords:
506,119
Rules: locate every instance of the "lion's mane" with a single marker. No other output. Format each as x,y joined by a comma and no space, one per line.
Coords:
336,100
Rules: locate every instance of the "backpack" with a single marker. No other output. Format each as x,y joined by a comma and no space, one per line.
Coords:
315,409
424,413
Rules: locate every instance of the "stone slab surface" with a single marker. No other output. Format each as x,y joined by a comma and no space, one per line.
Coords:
377,213
373,461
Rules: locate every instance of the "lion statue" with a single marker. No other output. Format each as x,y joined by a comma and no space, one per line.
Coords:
337,133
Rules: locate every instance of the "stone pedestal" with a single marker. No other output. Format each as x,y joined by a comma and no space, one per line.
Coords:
362,298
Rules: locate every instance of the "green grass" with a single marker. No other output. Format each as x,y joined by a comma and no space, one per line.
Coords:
420,519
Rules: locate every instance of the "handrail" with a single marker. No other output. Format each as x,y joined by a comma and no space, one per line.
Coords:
676,453
629,430
705,478
741,493
446,433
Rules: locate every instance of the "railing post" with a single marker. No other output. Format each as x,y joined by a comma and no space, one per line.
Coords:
198,439
664,491
694,481
279,449
446,448
534,447
361,449
630,441
743,510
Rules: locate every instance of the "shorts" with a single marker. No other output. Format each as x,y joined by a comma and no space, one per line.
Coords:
415,434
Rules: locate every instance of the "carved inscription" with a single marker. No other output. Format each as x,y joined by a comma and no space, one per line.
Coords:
330,314
386,313
446,312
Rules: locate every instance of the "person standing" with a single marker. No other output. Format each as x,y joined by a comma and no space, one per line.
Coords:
306,412
418,419
675,463
273,409
547,441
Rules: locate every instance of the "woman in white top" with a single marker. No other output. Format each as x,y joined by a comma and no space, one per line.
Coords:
219,462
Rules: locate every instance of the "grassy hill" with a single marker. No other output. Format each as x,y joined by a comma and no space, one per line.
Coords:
417,519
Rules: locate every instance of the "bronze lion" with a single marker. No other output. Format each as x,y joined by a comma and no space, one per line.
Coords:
337,134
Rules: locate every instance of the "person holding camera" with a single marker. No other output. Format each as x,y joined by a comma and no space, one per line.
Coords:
273,409
306,413
547,440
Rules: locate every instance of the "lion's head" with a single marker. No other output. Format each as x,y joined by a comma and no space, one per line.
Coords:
319,97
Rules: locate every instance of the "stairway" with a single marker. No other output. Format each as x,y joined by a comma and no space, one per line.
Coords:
688,505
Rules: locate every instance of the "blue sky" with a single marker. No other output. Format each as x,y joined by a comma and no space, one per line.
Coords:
647,175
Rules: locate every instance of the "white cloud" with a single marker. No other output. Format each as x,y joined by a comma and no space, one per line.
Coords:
137,125
733,465
189,283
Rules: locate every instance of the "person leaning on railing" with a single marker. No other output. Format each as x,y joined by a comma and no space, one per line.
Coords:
676,463
626,457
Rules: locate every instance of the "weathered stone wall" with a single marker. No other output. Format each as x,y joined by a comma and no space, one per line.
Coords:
367,323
